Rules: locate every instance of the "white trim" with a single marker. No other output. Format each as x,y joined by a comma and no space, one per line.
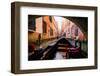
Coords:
25,64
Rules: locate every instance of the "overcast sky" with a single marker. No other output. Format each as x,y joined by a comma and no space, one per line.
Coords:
59,21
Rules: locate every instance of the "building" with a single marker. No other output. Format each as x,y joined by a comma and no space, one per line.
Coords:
71,30
49,28
43,27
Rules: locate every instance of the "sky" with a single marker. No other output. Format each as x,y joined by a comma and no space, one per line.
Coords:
58,19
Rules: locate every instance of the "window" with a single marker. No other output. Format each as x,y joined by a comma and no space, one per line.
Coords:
50,18
51,32
32,22
44,27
